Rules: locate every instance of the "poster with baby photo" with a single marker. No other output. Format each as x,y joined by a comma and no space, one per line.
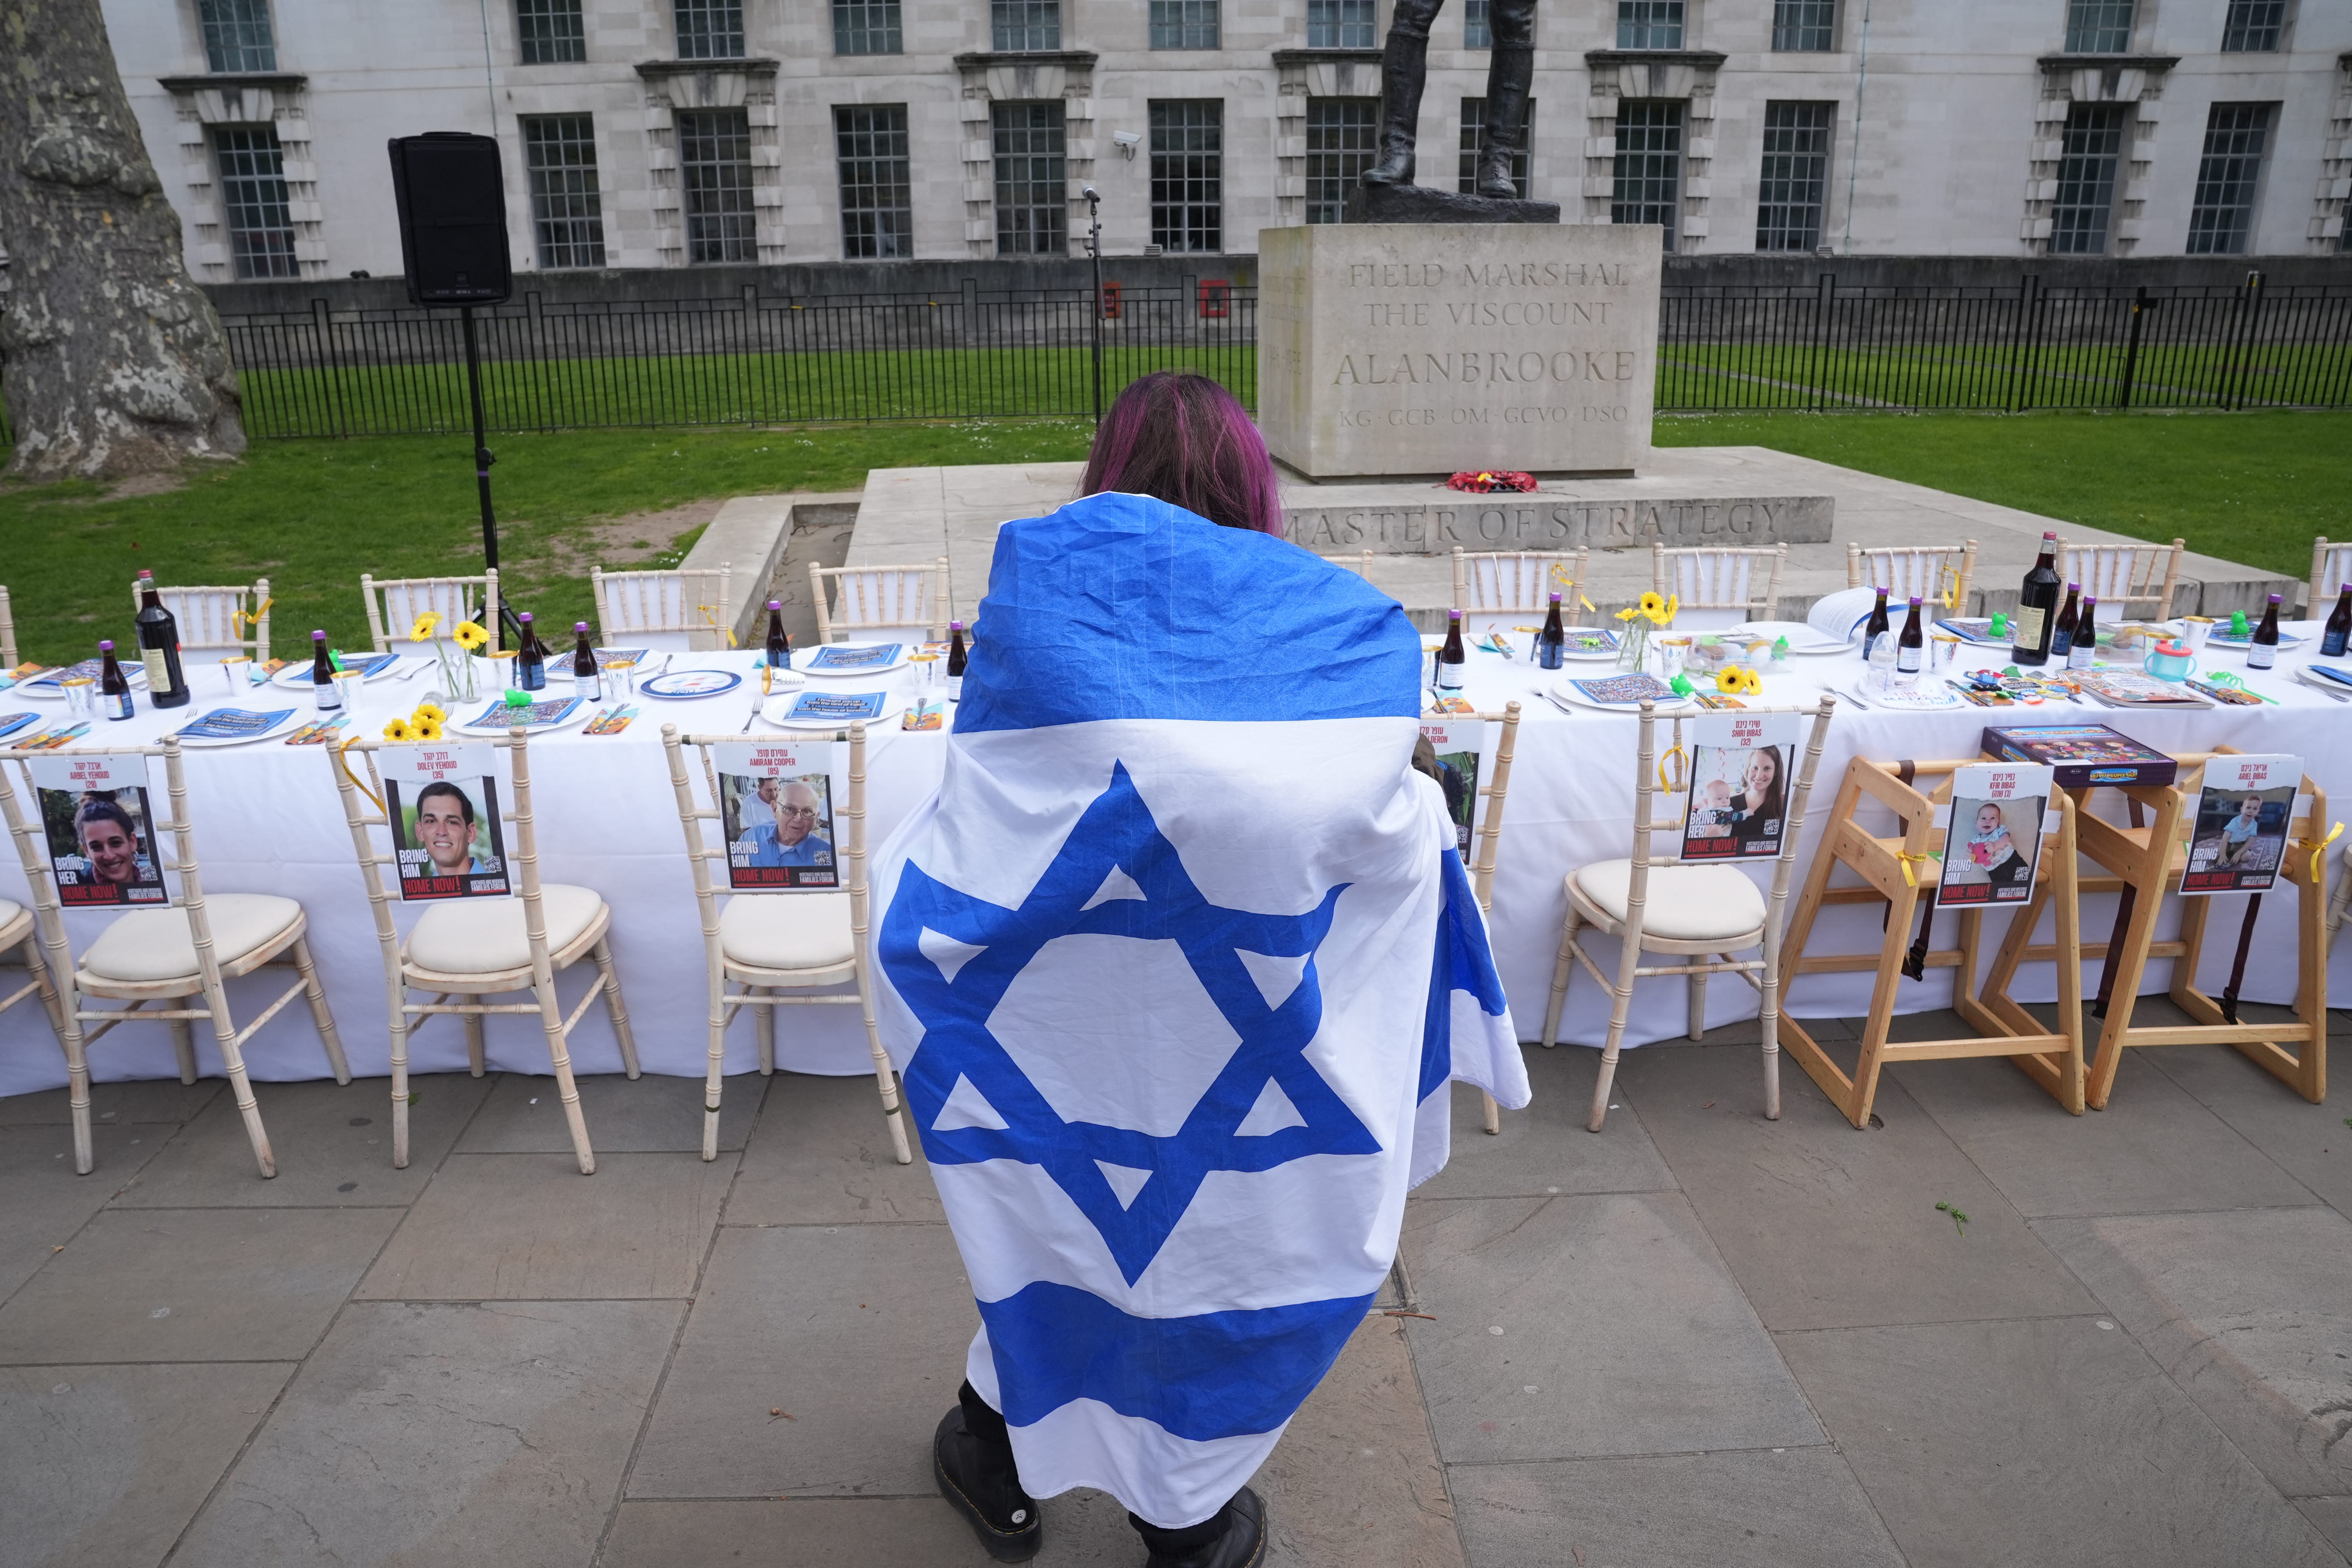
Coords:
1739,783
775,807
1456,746
442,804
1993,842
102,834
2239,837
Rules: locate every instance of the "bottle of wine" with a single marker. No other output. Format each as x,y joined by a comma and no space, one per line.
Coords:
2061,635
780,646
1911,647
323,689
956,661
159,648
2085,644
1551,643
113,685
2036,598
530,660
1875,628
1450,658
587,675
2338,635
2262,652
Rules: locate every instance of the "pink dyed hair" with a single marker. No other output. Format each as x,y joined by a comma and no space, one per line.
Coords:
1180,437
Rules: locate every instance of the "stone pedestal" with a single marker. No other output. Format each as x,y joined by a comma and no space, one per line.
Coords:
1425,348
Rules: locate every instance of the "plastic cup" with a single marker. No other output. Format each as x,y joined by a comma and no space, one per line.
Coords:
81,695
620,679
2194,630
236,674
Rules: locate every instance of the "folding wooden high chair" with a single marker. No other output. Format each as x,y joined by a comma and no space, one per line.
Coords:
669,612
482,947
1663,905
235,618
866,599
2121,576
394,604
1937,574
2331,568
172,952
772,942
1517,582
1722,579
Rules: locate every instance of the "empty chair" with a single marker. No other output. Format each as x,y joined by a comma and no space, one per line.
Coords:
668,612
1725,587
1938,573
2331,568
7,634
871,601
180,950
477,947
1507,586
228,621
394,605
2135,581
777,943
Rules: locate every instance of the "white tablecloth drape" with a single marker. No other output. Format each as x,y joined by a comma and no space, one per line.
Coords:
268,820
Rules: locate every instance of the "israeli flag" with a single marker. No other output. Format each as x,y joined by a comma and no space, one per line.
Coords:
1177,963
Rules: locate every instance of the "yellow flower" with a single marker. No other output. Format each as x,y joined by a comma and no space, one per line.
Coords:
427,729
1738,681
423,626
430,712
1652,605
469,636
400,730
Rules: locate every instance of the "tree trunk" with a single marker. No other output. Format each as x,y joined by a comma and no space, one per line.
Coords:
112,359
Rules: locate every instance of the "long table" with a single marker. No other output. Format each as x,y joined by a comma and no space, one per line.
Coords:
269,820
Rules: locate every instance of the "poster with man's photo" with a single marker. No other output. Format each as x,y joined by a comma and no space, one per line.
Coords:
442,804
775,807
1739,783
100,830
1456,746
2239,838
1992,837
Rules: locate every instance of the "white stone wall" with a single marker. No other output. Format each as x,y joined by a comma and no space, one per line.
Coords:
1954,153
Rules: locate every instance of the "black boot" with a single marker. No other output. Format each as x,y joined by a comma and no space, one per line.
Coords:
1508,79
1401,66
1232,1537
971,1459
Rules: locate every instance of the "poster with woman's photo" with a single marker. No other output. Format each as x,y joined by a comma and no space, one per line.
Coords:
775,807
100,831
1993,845
1456,746
442,804
1739,783
2239,838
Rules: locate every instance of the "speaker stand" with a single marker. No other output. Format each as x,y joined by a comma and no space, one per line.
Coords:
482,461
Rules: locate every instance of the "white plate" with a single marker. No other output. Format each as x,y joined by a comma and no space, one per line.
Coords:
1938,699
44,689
1802,639
297,677
293,719
1574,655
2304,672
778,706
689,685
1565,692
580,713
805,661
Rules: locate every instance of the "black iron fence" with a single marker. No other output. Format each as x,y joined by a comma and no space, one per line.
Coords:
754,359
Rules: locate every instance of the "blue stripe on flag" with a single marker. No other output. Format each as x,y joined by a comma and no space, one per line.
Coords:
1219,1374
1465,963
1120,606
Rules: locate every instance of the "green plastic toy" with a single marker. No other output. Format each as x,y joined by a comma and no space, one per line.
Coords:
1999,628
1681,686
518,699
2238,623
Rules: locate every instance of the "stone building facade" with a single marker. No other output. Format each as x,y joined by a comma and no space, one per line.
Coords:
668,134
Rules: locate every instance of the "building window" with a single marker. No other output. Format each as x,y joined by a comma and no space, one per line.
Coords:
1473,141
1341,24
1649,24
1796,176
877,217
1477,24
1188,175
1184,23
2254,27
866,27
567,214
1343,141
2093,146
2098,26
550,31
2222,221
714,165
1032,184
236,38
1649,164
253,194
1026,23
1804,26
709,29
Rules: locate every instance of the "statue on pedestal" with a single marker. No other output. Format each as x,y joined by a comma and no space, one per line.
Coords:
1405,62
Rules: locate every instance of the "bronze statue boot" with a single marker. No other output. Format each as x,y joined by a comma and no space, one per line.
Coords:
1402,66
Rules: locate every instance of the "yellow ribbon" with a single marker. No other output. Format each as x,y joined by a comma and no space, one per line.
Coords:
1951,597
2319,850
1680,757
1910,878
344,763
710,618
252,622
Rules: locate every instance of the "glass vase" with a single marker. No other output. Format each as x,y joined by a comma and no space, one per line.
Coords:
1633,646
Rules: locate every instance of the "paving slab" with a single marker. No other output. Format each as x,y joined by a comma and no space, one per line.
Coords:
139,1100
821,1155
1827,1227
422,1434
140,1285
2152,1149
1758,1509
1574,1326
2250,1313
513,1227
2309,1142
1083,1530
1545,1149
333,1143
2048,1440
856,1332
655,1113
47,1203
2333,1515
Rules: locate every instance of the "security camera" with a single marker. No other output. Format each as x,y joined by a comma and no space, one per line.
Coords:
1127,141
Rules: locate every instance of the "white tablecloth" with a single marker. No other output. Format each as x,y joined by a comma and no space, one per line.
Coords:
269,820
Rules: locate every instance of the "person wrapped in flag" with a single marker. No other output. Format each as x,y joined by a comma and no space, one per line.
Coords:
1178,963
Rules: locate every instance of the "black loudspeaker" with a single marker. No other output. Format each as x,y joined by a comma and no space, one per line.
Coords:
453,218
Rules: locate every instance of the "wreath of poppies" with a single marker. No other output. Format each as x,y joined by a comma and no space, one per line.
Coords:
1487,481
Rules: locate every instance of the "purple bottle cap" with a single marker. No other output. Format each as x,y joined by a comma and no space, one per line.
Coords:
775,603
955,625
580,626
318,636
106,646
1555,598
526,615
1452,615
2073,587
2275,599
